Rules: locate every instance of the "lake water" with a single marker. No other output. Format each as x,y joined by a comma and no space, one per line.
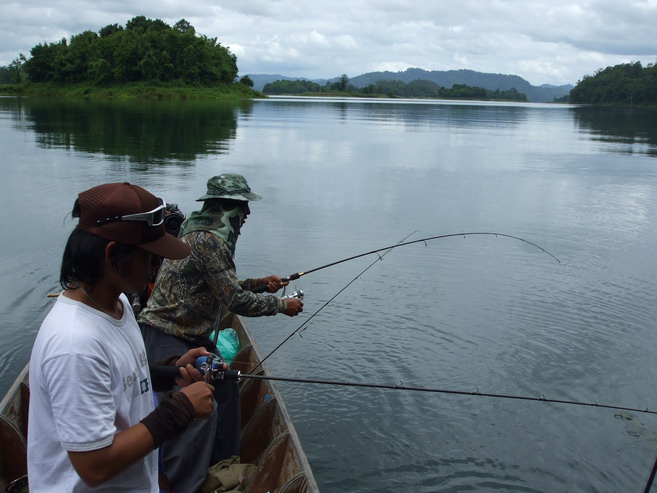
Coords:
478,312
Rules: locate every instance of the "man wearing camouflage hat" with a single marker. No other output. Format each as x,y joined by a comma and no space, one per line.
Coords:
189,295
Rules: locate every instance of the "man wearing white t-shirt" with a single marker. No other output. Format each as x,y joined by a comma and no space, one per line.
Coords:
93,425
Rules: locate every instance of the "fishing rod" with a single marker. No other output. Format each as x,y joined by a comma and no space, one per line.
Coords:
401,386
298,329
651,478
297,275
213,368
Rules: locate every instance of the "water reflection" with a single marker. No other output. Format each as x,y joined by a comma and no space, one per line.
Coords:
625,130
134,131
412,113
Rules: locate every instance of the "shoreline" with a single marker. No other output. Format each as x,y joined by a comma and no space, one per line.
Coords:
137,90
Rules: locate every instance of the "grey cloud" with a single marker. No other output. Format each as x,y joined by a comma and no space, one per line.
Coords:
555,41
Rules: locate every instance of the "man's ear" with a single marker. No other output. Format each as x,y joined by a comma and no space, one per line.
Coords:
109,252
109,261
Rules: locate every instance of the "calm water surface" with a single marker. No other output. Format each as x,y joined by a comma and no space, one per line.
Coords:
490,313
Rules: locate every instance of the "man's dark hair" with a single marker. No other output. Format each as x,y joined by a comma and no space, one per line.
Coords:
83,256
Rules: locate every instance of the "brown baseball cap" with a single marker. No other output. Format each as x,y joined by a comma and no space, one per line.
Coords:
129,214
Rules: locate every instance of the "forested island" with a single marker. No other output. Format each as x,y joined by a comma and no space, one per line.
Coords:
392,89
626,84
145,55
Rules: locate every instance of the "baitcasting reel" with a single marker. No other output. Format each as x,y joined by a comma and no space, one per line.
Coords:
214,368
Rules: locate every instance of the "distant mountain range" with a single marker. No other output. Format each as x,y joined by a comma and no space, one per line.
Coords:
545,93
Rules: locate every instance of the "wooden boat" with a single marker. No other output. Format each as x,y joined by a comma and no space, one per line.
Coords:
268,437
13,434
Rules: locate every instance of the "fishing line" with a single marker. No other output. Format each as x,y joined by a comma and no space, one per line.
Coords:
297,275
298,329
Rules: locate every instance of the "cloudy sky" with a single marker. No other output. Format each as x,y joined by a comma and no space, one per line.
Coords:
544,41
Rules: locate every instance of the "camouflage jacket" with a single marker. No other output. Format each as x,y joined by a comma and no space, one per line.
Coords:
189,293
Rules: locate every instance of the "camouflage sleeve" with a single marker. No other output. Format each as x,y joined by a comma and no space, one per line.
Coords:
248,284
223,281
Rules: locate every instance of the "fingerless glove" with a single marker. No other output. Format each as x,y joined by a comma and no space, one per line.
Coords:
171,417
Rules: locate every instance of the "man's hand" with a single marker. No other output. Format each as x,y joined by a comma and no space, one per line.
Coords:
200,395
294,307
188,372
272,283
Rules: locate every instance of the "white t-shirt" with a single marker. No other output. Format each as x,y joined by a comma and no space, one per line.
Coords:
89,380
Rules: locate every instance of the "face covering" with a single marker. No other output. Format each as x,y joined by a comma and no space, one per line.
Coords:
218,219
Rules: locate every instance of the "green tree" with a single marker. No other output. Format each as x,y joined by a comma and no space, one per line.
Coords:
184,27
342,82
109,30
5,75
46,62
16,67
247,81
141,23
81,50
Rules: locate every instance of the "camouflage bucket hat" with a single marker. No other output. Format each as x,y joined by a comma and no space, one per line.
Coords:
229,186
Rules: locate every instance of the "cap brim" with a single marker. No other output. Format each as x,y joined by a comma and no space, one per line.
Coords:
167,246
242,196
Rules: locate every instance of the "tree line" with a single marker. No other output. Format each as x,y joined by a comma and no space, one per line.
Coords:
147,50
393,88
628,83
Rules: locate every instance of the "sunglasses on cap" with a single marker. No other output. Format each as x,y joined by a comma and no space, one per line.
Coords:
152,218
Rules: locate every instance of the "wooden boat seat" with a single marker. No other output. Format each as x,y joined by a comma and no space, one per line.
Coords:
281,471
266,424
298,484
252,394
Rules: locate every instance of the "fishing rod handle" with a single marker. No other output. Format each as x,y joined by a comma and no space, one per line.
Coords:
263,287
165,371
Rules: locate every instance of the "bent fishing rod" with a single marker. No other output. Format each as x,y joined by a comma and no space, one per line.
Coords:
297,275
305,323
403,242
